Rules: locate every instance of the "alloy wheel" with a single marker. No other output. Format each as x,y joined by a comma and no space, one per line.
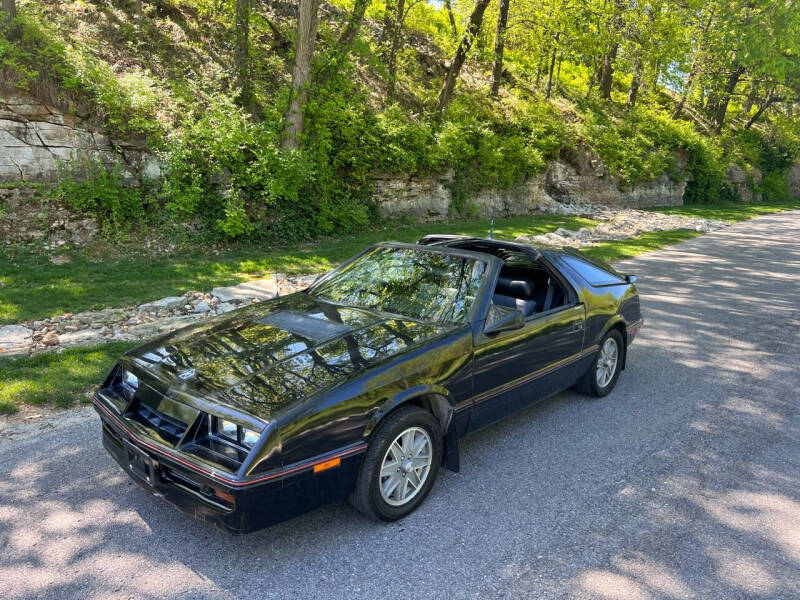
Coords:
607,362
405,466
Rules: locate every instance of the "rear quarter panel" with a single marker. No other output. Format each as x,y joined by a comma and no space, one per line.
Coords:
605,305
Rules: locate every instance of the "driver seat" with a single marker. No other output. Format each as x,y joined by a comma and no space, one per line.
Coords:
515,293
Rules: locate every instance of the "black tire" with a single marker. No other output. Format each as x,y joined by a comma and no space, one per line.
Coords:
366,497
588,383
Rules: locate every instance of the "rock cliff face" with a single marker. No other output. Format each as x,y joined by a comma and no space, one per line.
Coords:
744,183
794,179
25,216
578,177
36,139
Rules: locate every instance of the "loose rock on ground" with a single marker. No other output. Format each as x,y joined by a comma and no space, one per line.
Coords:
132,323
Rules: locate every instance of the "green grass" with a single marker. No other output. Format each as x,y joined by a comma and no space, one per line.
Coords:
60,379
33,288
647,242
731,211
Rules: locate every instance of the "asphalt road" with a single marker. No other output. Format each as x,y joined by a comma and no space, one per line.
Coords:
683,483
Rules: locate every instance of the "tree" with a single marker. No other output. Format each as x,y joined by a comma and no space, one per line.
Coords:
699,40
301,72
499,45
241,50
610,57
394,45
449,83
453,28
9,7
737,71
353,25
401,10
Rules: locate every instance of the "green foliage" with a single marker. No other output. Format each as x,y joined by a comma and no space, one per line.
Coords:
638,146
487,149
129,102
707,173
774,187
92,187
228,170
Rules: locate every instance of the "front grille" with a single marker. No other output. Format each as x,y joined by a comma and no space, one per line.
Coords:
213,450
168,428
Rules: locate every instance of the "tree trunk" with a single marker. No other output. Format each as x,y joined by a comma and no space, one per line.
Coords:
9,7
687,88
768,101
722,108
449,6
353,25
607,72
499,46
750,100
397,30
301,73
389,13
539,69
636,82
242,50
558,71
449,83
551,69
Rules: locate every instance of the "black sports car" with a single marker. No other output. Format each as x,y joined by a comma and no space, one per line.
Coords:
361,385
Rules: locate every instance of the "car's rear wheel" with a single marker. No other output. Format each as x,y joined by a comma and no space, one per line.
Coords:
602,374
400,465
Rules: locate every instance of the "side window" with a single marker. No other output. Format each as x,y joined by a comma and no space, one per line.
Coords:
592,273
526,285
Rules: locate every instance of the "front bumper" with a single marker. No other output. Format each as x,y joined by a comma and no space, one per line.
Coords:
234,508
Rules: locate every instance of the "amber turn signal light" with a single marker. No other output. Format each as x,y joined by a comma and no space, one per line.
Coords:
328,464
225,496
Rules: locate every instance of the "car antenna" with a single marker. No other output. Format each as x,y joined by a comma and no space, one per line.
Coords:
491,229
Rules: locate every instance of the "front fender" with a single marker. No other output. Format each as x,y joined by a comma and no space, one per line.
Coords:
438,396
437,400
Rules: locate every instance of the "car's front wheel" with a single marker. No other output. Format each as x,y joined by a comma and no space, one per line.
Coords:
400,465
601,376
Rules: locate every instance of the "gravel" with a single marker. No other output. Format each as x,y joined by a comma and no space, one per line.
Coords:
683,483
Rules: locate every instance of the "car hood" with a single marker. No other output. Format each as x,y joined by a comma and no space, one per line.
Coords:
268,355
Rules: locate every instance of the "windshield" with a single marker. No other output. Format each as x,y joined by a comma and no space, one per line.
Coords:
423,285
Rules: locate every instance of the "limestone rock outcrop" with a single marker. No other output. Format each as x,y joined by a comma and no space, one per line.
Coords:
37,140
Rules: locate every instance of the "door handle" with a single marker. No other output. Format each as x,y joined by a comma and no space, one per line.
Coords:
577,325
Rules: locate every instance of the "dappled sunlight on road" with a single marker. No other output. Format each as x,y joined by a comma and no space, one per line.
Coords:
773,517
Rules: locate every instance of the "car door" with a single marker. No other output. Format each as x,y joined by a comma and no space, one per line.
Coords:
515,368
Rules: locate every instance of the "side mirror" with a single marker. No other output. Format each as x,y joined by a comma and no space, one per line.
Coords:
515,319
631,278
